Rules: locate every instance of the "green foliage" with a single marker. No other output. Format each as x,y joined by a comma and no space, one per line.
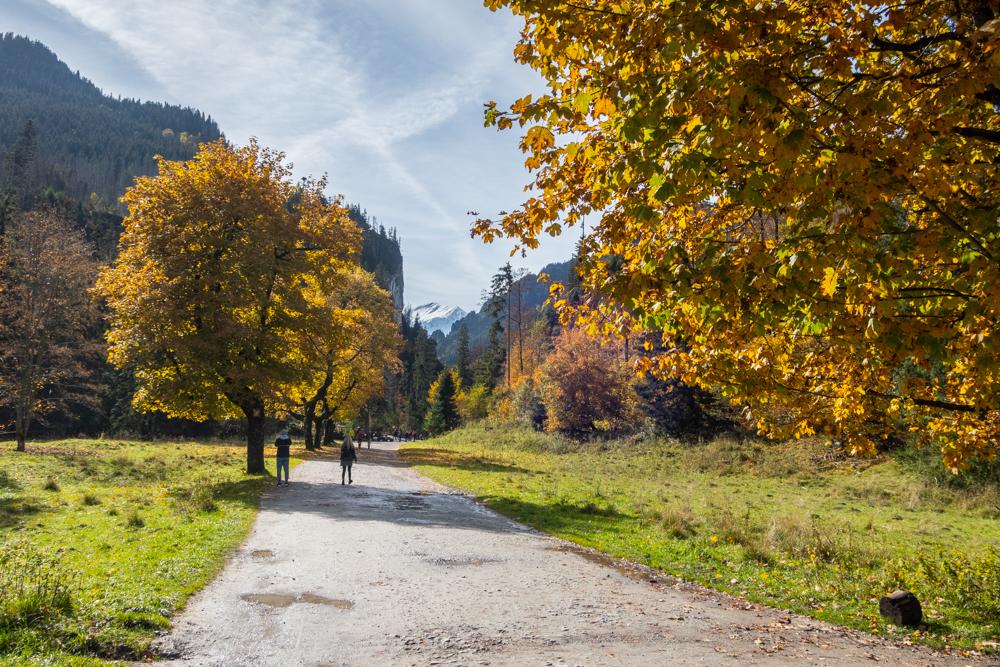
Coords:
420,366
442,413
473,403
797,525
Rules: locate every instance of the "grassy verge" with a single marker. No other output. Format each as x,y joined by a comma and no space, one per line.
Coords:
790,526
103,540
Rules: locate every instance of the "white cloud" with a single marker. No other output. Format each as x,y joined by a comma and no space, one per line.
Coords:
383,95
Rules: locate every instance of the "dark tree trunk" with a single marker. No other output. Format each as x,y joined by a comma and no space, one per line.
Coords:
21,428
308,420
256,421
320,428
328,432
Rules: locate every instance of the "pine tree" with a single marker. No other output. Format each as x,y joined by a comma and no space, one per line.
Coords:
442,414
463,363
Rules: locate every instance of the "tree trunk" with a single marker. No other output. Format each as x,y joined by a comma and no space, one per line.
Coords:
320,427
308,419
254,411
21,418
328,431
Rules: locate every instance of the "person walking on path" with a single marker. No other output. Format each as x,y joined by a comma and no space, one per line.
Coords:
348,456
281,458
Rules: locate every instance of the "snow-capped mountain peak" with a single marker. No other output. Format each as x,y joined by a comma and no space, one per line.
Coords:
435,317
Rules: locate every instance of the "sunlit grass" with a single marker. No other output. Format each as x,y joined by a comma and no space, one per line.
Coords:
134,528
791,525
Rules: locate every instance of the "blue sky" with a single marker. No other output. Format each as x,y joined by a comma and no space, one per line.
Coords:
384,96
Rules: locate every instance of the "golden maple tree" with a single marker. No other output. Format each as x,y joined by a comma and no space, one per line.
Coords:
222,262
344,354
796,201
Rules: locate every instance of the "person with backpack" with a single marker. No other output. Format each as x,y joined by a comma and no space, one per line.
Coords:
283,445
348,455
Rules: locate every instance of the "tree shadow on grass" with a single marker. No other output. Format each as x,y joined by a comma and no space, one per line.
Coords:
246,490
15,509
446,458
559,515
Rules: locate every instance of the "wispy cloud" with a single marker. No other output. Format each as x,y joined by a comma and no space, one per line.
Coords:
383,95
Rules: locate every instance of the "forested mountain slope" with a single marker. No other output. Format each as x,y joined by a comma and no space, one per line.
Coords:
84,140
533,295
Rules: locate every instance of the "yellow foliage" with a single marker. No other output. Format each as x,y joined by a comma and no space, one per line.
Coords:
223,267
796,202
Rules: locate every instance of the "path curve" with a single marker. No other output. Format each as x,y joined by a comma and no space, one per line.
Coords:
398,570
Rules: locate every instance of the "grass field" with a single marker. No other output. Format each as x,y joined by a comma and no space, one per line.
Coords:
792,526
104,540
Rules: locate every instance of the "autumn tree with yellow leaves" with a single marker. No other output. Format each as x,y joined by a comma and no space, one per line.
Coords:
223,262
344,354
795,202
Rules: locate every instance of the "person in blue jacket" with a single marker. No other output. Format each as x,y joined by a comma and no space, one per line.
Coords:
284,446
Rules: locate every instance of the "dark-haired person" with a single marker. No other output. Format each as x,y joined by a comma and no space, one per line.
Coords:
283,445
348,455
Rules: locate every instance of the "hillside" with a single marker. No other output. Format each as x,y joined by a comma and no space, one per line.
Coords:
534,294
84,141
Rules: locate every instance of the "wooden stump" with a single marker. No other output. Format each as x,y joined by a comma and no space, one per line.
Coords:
902,608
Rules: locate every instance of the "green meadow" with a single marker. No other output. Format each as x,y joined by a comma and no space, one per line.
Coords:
103,540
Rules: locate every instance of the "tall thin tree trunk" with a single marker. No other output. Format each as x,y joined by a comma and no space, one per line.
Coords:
328,431
253,408
520,333
21,427
509,320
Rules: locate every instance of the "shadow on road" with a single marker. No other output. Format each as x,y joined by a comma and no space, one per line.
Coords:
376,501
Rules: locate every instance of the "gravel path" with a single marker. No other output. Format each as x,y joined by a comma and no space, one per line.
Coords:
398,570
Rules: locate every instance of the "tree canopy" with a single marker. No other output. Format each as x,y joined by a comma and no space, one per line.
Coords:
223,262
796,201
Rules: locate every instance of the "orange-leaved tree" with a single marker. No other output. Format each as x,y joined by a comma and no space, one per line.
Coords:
585,387
222,261
796,202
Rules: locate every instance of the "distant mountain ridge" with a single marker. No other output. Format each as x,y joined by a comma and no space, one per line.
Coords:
85,140
435,317
533,295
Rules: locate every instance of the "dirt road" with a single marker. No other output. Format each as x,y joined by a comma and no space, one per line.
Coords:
397,570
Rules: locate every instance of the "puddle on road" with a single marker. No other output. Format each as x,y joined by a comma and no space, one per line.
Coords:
459,562
261,554
405,503
630,569
312,598
270,599
282,600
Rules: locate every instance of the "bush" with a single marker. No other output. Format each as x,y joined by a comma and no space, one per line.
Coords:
473,403
135,520
585,387
970,582
678,522
90,500
51,484
527,406
34,589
